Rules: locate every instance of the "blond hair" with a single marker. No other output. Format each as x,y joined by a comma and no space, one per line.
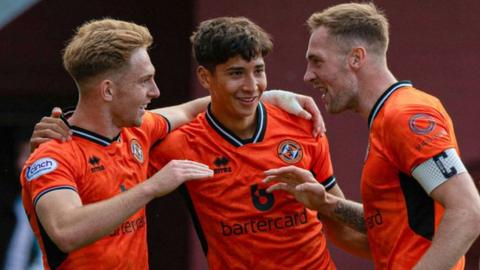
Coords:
354,22
102,45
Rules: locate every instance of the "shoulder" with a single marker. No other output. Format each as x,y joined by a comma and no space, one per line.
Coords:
50,156
150,117
192,129
410,106
152,120
154,127
55,149
183,136
411,99
282,119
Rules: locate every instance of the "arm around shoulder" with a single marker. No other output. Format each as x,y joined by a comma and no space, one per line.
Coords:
183,113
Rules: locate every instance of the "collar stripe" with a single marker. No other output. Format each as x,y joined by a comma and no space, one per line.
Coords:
222,131
232,138
260,117
91,137
379,104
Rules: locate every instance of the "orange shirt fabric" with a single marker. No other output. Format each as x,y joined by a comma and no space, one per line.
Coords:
240,226
407,127
97,168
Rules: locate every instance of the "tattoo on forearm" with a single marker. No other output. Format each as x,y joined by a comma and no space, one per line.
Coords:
353,217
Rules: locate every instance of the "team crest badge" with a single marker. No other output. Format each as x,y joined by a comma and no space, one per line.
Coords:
290,151
421,124
137,151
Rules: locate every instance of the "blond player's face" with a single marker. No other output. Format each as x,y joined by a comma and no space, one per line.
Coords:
236,87
328,72
135,88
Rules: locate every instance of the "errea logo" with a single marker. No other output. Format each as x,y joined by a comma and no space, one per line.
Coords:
40,167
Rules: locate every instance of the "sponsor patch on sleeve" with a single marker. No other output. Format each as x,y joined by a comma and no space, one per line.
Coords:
40,167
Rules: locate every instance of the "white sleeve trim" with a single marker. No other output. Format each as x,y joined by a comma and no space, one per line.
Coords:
435,171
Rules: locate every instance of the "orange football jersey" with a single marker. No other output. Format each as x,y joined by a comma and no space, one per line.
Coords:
97,168
240,225
407,127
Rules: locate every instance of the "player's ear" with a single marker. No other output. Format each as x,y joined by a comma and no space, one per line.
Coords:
204,76
357,57
107,90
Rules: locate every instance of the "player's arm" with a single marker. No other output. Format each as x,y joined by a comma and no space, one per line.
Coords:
183,113
296,104
72,225
53,127
436,165
343,218
299,105
459,226
340,232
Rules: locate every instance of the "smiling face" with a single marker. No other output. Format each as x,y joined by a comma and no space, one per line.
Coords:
328,71
133,89
235,87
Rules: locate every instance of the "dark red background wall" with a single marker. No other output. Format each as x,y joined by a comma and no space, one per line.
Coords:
433,43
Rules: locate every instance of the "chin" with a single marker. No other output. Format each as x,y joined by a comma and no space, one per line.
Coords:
249,112
335,110
138,122
134,123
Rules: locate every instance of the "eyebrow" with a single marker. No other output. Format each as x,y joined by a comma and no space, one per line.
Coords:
235,68
313,57
147,76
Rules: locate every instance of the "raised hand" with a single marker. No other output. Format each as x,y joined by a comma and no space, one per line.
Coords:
50,127
298,182
175,173
299,105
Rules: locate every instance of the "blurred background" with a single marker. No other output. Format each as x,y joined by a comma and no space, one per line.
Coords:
433,43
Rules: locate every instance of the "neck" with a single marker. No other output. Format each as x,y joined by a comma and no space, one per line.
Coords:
373,84
94,117
242,127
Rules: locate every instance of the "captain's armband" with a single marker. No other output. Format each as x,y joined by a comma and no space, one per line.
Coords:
435,171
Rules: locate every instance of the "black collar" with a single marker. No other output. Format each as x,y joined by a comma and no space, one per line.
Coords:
383,98
86,134
230,136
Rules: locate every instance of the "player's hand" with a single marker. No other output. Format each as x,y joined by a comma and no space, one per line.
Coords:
51,127
298,182
299,105
175,173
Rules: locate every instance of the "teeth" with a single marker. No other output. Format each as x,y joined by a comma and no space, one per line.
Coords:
248,99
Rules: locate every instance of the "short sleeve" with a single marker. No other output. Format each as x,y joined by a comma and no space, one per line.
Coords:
322,165
414,134
156,126
48,171
172,147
